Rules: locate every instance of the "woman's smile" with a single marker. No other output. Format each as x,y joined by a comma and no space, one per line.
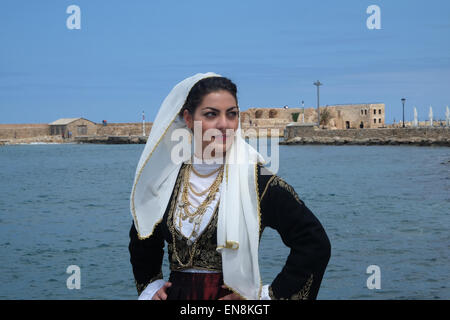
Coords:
221,138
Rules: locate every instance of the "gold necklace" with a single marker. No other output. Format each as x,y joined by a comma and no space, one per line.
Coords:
191,255
199,213
197,216
202,207
199,193
189,243
207,174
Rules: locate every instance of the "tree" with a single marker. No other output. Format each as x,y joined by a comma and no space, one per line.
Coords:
325,116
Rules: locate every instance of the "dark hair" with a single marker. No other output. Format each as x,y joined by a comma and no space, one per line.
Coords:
204,87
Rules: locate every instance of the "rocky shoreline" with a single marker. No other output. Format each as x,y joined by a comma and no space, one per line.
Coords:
367,141
112,140
431,136
77,140
443,140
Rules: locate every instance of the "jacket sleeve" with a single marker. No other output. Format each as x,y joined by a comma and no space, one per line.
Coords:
301,231
146,257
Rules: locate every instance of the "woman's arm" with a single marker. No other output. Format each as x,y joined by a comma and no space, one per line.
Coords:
301,231
146,257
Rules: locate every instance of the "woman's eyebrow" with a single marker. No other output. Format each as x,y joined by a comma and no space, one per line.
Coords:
214,109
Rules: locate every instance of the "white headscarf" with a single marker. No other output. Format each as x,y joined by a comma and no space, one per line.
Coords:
238,225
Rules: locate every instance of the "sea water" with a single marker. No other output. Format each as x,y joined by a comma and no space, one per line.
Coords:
68,205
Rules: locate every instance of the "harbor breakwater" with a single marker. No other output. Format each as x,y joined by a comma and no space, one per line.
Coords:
293,134
425,136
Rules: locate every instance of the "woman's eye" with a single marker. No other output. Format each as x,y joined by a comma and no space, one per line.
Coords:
210,114
233,113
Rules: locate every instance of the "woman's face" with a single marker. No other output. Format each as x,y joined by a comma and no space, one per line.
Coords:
219,116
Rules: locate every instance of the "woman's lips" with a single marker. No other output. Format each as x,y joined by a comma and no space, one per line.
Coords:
221,138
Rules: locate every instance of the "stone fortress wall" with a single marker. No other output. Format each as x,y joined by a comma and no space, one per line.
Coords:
28,133
350,116
21,131
336,126
123,129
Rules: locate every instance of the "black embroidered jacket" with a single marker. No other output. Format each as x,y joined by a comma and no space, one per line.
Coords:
281,209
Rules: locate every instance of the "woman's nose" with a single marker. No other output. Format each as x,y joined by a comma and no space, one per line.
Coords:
222,122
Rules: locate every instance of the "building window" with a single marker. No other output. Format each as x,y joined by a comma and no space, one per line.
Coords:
374,120
82,130
374,111
379,120
379,111
273,113
362,111
56,130
365,111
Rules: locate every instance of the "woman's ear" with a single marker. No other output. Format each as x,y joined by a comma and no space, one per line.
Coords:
188,119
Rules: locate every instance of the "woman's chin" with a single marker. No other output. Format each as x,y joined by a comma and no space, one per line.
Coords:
224,146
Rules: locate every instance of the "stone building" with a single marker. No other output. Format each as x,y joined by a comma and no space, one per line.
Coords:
348,116
355,116
72,127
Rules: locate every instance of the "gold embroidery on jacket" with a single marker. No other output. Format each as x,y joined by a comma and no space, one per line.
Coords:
277,181
301,295
141,286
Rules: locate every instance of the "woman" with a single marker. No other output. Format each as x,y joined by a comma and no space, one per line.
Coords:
212,212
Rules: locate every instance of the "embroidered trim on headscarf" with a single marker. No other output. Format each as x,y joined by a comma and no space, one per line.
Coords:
133,210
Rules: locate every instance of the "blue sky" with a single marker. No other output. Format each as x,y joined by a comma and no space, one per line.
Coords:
128,55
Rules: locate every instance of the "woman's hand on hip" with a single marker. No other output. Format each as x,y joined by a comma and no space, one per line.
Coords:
161,293
231,296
